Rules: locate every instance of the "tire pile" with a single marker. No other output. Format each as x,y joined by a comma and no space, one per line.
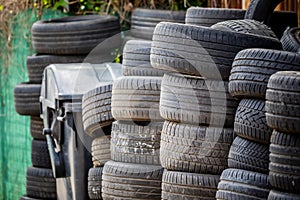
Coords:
64,40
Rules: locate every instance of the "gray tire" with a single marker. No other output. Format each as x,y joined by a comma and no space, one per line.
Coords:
101,150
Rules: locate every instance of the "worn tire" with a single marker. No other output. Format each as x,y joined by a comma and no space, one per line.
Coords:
261,10
195,149
36,128
247,26
101,150
40,183
208,16
278,195
96,109
133,143
247,155
239,184
285,162
199,50
127,181
183,185
283,99
73,34
40,154
136,59
196,100
136,98
143,21
281,20
37,63
27,98
95,183
252,68
291,39
250,121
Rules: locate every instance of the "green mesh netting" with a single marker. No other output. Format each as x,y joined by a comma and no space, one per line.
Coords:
15,139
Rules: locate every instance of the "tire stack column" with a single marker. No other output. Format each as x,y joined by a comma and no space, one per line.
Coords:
134,170
282,112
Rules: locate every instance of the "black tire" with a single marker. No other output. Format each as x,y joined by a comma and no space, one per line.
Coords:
196,100
208,16
250,121
40,183
27,98
280,20
37,63
133,143
95,183
195,149
136,98
28,198
96,109
36,128
101,150
285,162
283,99
74,34
182,185
248,26
198,50
261,10
127,181
247,155
239,184
143,21
252,68
291,39
136,59
40,154
278,195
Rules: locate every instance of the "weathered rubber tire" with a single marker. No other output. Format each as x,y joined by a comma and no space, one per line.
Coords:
182,185
27,98
101,150
96,109
239,184
128,181
261,10
36,128
143,21
95,183
285,162
208,16
252,68
40,154
195,149
199,50
74,34
250,121
283,99
291,39
40,183
136,98
132,143
247,155
196,100
247,26
136,59
278,195
37,63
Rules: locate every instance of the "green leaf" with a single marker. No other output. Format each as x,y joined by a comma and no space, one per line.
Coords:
60,3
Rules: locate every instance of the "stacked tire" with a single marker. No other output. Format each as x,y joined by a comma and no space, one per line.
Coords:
282,112
63,40
143,21
97,120
134,170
